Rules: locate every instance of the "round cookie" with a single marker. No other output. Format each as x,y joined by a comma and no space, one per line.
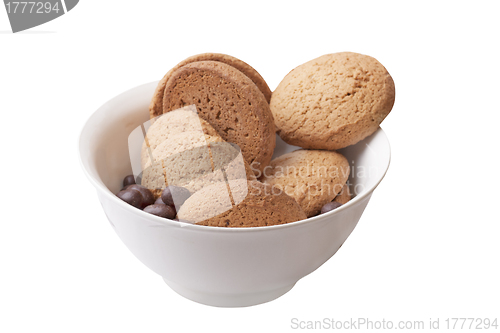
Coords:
344,196
193,160
169,125
172,162
230,102
312,177
333,101
156,106
251,204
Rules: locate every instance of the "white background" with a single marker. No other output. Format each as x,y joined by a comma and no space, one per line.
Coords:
426,247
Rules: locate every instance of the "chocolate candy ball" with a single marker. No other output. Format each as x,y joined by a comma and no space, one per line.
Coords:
131,197
129,180
330,206
180,194
147,196
160,210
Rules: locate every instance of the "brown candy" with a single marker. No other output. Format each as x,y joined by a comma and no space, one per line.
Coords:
131,197
161,210
330,206
177,193
147,196
129,180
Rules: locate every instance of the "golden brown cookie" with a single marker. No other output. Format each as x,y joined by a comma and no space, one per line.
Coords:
312,177
156,106
230,102
246,204
333,101
344,196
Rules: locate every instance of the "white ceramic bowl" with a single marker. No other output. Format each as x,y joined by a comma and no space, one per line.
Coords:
219,266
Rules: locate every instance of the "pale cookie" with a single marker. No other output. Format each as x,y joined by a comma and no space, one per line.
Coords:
186,160
240,203
344,196
156,106
312,177
171,124
230,102
333,101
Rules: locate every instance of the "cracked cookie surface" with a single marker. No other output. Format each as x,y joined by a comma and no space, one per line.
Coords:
333,101
312,177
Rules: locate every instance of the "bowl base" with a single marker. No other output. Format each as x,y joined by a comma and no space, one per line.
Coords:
229,300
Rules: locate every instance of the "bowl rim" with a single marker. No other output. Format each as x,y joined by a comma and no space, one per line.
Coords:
191,226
